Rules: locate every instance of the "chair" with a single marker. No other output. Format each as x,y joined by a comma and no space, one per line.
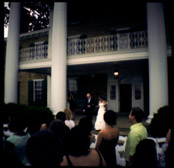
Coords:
120,151
159,149
92,146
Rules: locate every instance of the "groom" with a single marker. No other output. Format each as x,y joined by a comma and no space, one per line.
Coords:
89,107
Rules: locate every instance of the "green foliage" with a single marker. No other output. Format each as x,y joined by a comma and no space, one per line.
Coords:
34,15
160,123
26,115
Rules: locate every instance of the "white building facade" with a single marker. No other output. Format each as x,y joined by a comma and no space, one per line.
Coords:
83,65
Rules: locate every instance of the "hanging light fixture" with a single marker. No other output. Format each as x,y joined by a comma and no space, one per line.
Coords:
116,73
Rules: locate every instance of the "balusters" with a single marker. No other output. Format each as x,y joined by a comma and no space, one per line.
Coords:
117,42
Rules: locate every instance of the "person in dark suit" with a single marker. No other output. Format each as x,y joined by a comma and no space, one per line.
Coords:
89,106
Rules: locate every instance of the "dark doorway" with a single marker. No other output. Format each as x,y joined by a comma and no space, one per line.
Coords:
125,97
94,84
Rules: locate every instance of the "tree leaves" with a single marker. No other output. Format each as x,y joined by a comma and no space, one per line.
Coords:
34,15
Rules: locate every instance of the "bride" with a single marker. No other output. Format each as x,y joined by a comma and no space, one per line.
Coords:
100,123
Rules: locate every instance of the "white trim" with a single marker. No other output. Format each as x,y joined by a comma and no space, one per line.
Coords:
91,58
34,32
39,43
37,80
33,65
106,57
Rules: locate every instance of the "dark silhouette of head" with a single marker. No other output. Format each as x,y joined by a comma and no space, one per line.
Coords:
58,127
86,125
44,150
145,154
61,116
110,117
77,142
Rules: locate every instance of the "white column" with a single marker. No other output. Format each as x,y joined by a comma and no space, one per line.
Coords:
50,32
11,64
59,57
49,56
48,91
157,48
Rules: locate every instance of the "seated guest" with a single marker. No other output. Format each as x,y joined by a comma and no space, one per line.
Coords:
15,144
78,153
69,122
61,116
108,138
137,133
59,128
86,125
145,154
44,150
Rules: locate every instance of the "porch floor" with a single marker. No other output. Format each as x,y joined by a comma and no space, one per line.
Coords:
123,122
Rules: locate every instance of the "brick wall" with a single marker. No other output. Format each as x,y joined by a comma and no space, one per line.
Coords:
23,78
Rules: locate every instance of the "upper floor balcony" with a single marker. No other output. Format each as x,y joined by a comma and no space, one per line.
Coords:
116,44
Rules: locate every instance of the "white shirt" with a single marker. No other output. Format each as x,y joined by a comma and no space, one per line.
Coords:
70,123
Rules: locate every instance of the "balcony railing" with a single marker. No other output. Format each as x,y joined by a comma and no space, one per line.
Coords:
34,53
125,41
110,43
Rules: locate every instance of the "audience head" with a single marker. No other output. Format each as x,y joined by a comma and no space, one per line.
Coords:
44,150
145,154
58,127
110,117
136,115
85,124
77,142
17,120
68,114
61,116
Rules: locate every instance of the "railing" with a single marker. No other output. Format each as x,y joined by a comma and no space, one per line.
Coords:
117,42
108,43
34,53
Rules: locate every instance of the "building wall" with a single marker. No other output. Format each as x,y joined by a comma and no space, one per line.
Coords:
24,43
23,78
126,76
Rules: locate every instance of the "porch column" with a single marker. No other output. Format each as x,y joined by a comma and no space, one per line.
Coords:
59,57
12,54
48,91
157,48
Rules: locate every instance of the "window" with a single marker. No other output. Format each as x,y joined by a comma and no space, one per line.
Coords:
72,83
113,92
37,90
137,91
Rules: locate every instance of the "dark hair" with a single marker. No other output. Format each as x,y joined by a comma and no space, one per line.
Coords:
101,97
145,154
61,116
110,117
77,142
138,113
86,125
44,150
57,127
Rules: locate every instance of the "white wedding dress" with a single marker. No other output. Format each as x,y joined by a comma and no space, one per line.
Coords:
100,123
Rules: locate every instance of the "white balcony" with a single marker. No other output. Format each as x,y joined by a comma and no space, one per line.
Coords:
117,42
125,46
34,53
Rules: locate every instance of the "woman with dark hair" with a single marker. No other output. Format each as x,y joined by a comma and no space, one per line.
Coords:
145,154
78,152
44,150
107,139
